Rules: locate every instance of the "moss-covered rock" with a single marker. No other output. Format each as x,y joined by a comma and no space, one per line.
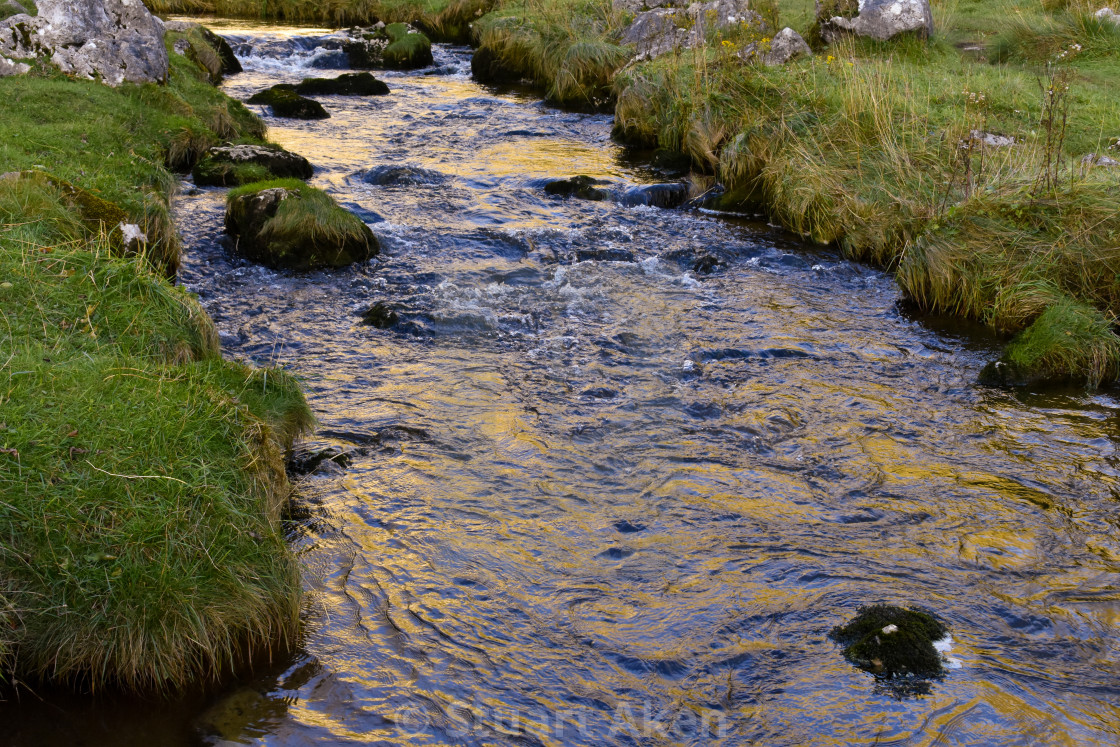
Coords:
347,84
892,641
287,224
407,49
285,102
1069,344
234,165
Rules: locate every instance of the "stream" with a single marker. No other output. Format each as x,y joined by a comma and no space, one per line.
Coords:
614,472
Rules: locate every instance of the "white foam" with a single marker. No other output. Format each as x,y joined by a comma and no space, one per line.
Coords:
945,647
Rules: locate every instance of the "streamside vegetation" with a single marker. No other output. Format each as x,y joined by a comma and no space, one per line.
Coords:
141,474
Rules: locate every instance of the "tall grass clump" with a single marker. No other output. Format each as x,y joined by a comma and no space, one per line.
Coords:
566,47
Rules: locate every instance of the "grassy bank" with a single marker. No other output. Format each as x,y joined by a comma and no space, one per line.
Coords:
879,148
141,475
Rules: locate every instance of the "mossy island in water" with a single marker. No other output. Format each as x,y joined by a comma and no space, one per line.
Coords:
893,642
287,224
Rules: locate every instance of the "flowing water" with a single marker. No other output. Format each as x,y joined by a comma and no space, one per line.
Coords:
595,495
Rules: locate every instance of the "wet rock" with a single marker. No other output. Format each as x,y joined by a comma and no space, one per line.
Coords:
365,54
583,187
115,41
665,29
706,265
605,254
206,48
288,225
786,45
285,102
874,19
670,195
381,316
394,176
893,641
627,527
348,84
234,165
307,459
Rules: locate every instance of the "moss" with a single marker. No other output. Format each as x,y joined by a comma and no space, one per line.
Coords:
290,225
407,51
892,641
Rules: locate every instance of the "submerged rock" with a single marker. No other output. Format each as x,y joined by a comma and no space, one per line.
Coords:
380,315
875,19
289,225
348,84
893,641
234,165
583,187
115,41
669,195
285,102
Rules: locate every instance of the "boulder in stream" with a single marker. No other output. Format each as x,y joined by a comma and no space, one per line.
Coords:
286,224
347,84
397,46
114,41
234,165
284,102
893,641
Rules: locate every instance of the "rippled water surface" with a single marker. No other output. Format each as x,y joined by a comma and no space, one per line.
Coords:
597,496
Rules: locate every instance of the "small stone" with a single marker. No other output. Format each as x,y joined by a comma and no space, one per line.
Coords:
890,629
